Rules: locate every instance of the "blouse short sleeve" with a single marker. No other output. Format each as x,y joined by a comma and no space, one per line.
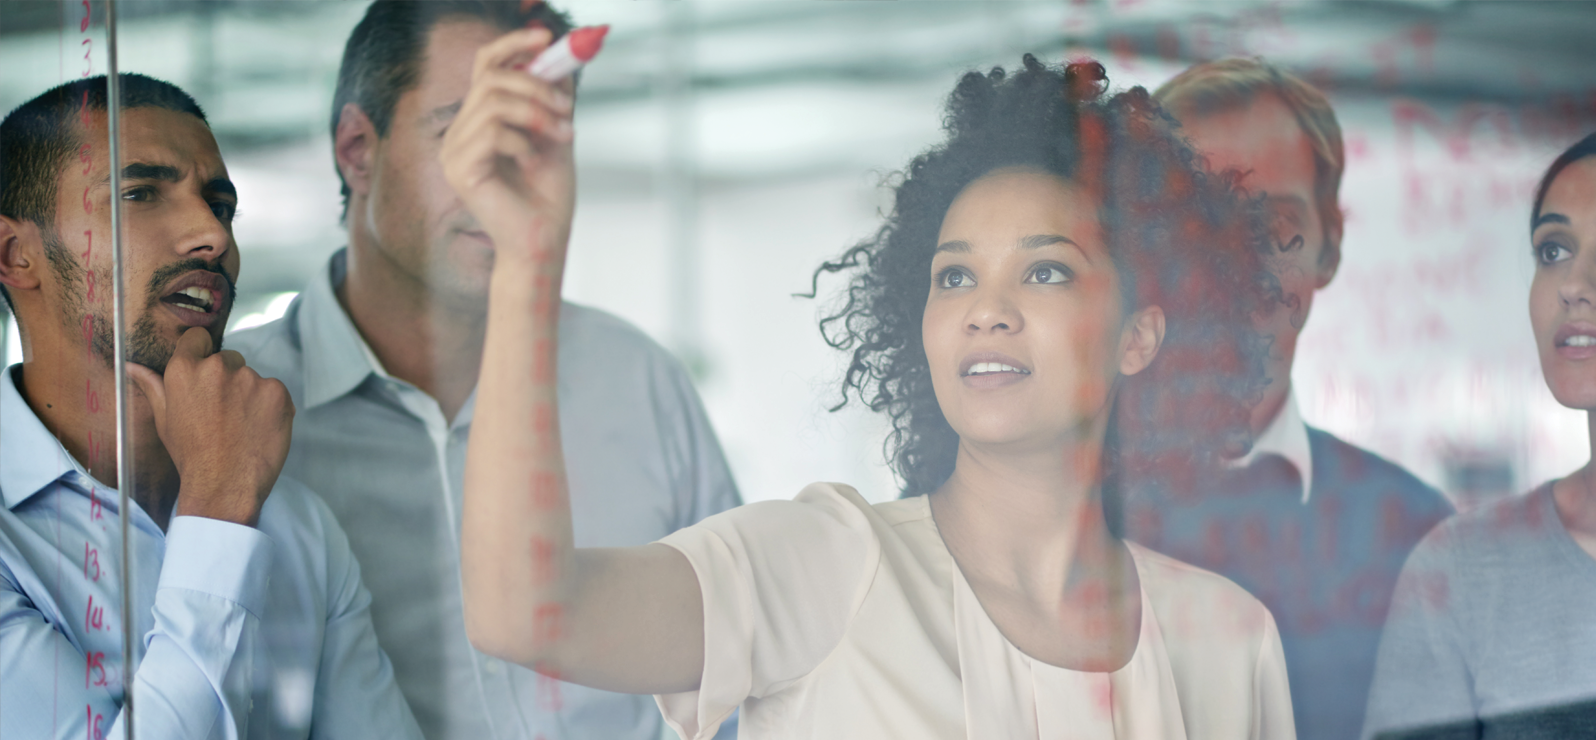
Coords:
1272,718
781,581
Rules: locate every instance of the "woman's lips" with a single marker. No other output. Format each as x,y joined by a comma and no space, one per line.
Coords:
991,370
1575,340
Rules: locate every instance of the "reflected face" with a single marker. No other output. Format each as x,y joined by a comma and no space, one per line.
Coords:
180,262
1264,141
421,225
1023,321
1563,293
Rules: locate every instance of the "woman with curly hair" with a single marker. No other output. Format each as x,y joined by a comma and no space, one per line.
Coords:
1060,298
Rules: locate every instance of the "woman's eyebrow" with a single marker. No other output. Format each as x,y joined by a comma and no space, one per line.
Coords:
1037,241
957,246
1549,218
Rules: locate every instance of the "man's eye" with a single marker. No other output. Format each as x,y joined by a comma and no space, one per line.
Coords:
1552,252
140,193
225,212
954,278
1048,275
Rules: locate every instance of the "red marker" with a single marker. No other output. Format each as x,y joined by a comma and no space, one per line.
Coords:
568,54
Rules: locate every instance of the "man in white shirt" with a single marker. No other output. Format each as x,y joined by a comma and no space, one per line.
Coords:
248,614
381,353
1316,528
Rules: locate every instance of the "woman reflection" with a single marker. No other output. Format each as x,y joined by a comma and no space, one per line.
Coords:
1054,277
1493,627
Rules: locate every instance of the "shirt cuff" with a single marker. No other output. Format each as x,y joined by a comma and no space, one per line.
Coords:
223,559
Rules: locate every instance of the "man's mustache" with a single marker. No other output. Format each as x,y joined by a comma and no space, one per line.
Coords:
168,273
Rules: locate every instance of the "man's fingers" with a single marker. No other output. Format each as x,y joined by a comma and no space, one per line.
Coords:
151,385
514,47
195,344
231,360
518,83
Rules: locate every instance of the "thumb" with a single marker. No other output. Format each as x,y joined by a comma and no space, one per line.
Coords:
153,386
194,344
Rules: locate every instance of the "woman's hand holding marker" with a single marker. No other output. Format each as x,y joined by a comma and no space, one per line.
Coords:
568,54
508,151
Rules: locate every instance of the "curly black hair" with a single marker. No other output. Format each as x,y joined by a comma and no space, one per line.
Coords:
1188,241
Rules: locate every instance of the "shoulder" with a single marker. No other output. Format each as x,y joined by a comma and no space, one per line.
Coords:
1341,464
272,349
591,332
1472,540
299,522
1168,579
620,365
1192,602
821,515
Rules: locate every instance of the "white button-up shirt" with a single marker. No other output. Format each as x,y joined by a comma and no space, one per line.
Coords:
640,457
258,632
1286,436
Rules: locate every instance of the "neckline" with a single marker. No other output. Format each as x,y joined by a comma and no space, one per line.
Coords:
1565,544
962,584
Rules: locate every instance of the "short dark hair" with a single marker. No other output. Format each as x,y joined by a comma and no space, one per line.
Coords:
38,137
1581,149
1179,237
382,59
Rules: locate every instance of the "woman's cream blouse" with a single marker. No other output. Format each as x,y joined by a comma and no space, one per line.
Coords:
826,618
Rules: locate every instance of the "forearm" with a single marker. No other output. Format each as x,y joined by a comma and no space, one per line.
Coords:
193,676
517,544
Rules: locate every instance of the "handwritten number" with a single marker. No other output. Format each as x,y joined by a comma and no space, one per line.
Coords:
94,732
94,616
90,554
96,662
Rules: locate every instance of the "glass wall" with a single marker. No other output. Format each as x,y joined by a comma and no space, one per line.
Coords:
723,151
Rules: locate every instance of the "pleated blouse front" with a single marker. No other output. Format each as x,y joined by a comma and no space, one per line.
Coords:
827,618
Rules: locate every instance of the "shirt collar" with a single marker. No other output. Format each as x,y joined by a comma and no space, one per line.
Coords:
337,358
31,458
1286,436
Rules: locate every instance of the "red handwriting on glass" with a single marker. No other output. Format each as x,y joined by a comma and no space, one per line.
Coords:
96,663
94,732
545,490
549,699
543,565
94,616
546,619
542,361
91,557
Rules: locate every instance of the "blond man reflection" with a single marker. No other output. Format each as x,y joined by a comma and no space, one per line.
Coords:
1315,527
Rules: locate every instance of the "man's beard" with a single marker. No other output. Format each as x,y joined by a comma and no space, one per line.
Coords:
145,345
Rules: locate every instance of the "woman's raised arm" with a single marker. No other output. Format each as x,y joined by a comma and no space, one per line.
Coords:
624,619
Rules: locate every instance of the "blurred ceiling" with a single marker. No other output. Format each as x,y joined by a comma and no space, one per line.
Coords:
264,68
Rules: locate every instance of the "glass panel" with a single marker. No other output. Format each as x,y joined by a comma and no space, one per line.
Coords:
724,151
65,648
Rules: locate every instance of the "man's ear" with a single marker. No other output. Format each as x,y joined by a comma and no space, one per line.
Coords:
354,146
21,255
1330,254
1140,339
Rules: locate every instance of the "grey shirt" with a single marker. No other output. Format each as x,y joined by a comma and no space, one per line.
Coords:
641,460
1493,626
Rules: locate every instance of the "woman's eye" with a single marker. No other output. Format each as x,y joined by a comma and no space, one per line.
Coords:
955,278
1048,275
1551,252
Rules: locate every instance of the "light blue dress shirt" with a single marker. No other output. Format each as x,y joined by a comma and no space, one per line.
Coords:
244,632
641,461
